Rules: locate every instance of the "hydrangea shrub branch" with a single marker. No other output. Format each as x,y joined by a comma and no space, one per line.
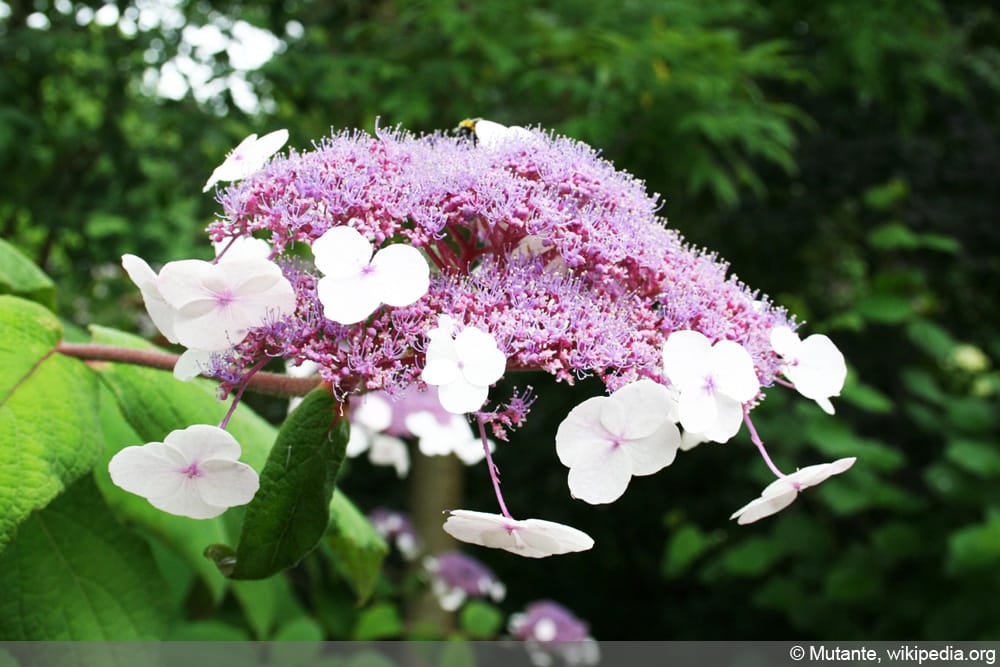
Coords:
424,269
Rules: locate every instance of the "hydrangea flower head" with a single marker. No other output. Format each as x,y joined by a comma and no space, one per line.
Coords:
457,577
549,629
194,472
396,528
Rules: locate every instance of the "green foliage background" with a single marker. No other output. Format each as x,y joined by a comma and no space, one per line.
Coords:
841,155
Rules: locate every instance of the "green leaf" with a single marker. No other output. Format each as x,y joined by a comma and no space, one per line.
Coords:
300,629
481,620
686,545
49,434
359,550
73,573
265,602
980,457
19,276
380,621
291,511
975,547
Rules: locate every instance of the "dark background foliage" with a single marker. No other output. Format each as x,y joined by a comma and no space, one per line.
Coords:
841,155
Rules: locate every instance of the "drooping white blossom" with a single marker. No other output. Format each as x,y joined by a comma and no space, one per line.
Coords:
782,492
533,538
194,472
814,365
247,158
712,383
161,312
217,304
355,282
606,440
462,366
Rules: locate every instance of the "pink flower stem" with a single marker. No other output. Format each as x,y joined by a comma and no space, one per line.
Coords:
760,445
239,393
223,251
493,469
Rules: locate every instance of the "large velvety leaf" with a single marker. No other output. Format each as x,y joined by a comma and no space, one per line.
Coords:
20,277
290,512
358,548
74,573
48,414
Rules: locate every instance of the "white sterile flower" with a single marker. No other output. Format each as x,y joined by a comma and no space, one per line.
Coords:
463,367
355,283
452,437
194,472
814,365
161,312
606,440
712,381
373,415
491,135
247,158
782,492
192,363
218,304
533,538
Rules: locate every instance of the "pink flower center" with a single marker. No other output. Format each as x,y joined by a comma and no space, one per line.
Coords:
191,471
224,298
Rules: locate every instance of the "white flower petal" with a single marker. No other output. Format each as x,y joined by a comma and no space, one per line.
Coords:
440,371
248,157
821,369
483,362
161,312
734,370
226,483
342,252
580,434
785,342
191,364
242,248
403,275
603,478
728,419
646,405
698,411
387,450
685,358
348,300
187,502
201,442
358,442
825,405
533,538
459,397
149,470
655,452
373,412
762,507
690,440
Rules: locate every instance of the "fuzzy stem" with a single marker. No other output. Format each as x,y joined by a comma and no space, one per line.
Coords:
755,439
493,469
271,384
